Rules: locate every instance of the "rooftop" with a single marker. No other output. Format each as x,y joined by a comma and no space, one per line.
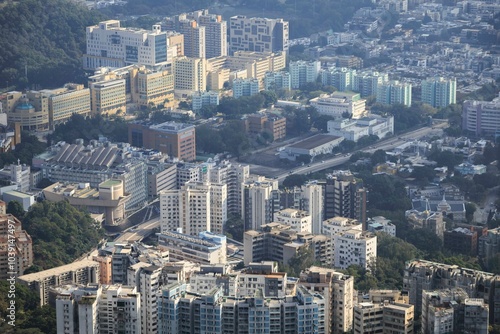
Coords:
314,141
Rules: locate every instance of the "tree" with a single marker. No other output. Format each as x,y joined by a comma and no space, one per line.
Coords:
294,180
235,227
470,209
379,156
16,209
60,233
270,98
299,262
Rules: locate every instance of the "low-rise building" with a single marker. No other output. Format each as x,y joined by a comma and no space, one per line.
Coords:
340,104
380,224
354,129
207,248
312,146
109,198
461,240
467,168
80,272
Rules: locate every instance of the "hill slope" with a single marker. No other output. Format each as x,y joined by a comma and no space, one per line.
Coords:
46,37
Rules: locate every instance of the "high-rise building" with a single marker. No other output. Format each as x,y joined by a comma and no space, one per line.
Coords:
354,247
16,252
338,290
367,83
302,72
189,75
423,275
439,92
257,34
119,310
245,87
181,311
277,80
205,35
66,101
256,202
202,99
196,207
178,140
146,279
109,97
385,317
481,117
110,45
340,78
394,92
344,196
298,220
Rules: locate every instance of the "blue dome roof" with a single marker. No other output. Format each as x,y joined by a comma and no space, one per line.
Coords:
25,106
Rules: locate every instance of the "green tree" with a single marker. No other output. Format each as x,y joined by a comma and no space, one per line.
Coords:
235,227
379,156
302,260
16,209
294,180
60,233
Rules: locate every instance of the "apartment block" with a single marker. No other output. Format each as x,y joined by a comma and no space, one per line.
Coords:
481,117
77,309
196,207
207,248
16,254
119,310
154,88
439,92
423,275
257,202
298,220
245,87
276,81
338,104
110,45
385,317
189,75
273,124
183,312
394,92
354,247
302,72
178,140
279,242
80,272
257,34
344,196
367,83
340,78
338,291
308,197
202,99
205,34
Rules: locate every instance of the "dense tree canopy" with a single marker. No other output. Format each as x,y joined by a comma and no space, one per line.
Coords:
90,128
60,233
46,37
24,152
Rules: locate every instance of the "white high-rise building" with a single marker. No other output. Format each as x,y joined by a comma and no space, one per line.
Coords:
481,117
367,83
354,247
394,92
340,78
312,198
439,92
196,207
245,87
110,45
299,220
257,34
277,81
98,309
146,279
302,72
256,202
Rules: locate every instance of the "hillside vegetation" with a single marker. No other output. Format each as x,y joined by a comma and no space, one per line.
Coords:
60,233
46,37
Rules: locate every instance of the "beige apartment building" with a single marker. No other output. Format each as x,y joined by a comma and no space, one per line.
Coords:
23,252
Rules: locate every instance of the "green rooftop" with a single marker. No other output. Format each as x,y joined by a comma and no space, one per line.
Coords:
110,183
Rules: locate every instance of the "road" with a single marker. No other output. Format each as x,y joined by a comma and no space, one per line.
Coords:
139,232
386,145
